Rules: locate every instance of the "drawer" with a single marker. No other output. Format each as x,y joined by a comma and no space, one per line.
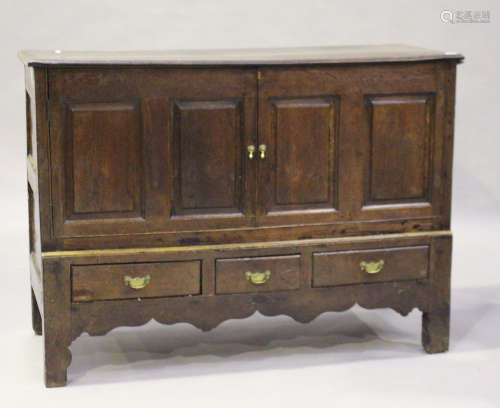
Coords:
373,265
134,280
260,274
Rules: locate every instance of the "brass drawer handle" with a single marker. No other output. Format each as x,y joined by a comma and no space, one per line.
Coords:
372,267
138,282
251,151
258,278
262,150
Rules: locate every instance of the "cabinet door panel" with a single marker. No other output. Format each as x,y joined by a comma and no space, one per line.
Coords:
208,145
103,161
304,170
401,127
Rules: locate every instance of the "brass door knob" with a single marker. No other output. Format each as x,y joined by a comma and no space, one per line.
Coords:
251,151
262,150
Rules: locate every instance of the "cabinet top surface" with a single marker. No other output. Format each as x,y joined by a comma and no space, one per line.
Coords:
244,56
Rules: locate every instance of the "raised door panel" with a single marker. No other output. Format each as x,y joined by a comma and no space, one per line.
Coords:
298,175
304,165
400,131
103,161
208,146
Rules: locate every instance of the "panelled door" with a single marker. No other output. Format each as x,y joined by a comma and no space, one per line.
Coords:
402,141
299,125
139,150
355,143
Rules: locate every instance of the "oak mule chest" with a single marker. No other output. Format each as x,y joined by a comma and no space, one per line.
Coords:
199,186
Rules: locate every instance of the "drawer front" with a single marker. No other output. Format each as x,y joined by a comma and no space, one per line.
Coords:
374,265
262,274
136,280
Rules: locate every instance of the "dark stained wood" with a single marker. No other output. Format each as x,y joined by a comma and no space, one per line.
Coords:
106,282
401,128
301,230
448,76
230,274
207,313
103,161
38,195
298,180
167,121
346,211
137,168
209,139
436,317
56,321
344,267
32,222
353,135
299,172
29,126
304,304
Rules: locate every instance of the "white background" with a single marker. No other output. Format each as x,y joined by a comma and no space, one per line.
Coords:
356,358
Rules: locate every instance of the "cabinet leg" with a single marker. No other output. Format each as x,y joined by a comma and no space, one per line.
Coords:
436,317
57,360
436,330
57,321
36,318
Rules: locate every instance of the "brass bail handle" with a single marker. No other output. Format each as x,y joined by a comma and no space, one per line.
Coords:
258,278
372,267
137,282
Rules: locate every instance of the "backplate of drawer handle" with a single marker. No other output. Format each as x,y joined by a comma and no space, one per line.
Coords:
258,278
137,282
372,267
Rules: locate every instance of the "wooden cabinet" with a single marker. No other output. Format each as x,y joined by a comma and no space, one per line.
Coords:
211,185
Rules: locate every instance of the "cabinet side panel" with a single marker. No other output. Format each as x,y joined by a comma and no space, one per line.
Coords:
39,160
448,78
